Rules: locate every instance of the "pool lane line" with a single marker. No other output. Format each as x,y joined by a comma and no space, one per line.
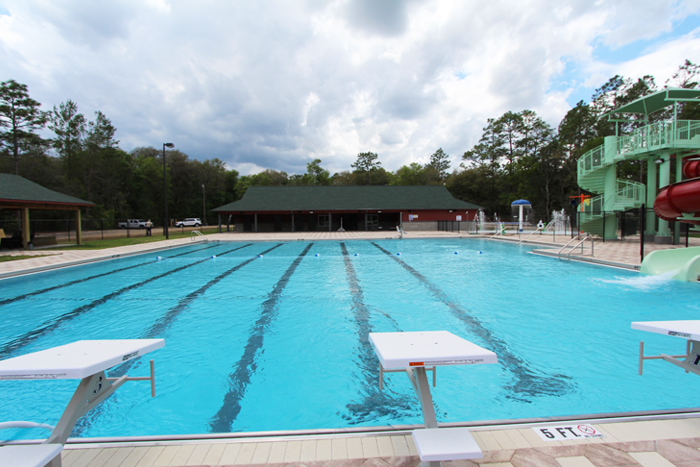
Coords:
157,330
19,342
161,326
245,367
375,403
77,281
527,383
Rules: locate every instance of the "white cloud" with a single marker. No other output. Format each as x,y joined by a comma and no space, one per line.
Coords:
278,84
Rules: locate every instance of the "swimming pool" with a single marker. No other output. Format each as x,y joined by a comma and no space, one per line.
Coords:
273,336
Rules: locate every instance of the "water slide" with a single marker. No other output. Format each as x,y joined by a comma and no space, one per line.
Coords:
682,264
681,197
684,197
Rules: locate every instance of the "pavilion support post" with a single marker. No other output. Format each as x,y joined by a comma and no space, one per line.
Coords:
650,230
256,222
26,236
78,228
330,221
679,177
663,236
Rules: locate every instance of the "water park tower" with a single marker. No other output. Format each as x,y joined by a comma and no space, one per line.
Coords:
656,144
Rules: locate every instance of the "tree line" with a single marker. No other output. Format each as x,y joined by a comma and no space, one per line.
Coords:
519,156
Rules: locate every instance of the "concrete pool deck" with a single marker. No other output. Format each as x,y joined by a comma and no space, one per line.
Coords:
669,441
658,443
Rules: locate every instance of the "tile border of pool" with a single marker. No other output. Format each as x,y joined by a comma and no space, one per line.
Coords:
383,430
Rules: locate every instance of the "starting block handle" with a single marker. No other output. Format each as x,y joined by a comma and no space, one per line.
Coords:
659,357
151,378
382,371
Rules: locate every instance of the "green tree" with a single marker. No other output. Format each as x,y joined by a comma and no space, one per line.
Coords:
416,174
20,118
365,164
687,78
440,162
316,174
69,127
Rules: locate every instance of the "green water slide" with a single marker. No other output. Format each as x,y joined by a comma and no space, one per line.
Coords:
682,264
654,143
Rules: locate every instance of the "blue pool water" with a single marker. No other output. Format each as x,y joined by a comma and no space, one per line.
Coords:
279,342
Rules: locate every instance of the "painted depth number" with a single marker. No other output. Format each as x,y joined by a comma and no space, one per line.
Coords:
568,432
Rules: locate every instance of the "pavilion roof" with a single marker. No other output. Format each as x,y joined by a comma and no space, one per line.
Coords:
16,190
344,198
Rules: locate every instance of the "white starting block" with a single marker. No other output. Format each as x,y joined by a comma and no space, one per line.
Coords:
685,329
446,444
414,352
29,455
84,360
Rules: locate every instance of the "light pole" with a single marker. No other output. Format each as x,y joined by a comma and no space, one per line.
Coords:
165,190
204,204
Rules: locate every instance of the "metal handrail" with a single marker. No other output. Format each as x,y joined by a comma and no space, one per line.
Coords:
538,229
580,243
501,232
195,234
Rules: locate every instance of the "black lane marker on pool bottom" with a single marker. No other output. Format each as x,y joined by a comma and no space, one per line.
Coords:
245,367
156,331
527,383
77,281
375,403
8,348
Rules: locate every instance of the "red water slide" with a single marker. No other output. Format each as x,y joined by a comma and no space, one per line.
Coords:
681,197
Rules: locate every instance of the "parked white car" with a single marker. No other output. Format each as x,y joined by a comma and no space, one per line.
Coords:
189,222
133,224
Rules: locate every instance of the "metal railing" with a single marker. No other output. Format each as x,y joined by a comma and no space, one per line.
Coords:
581,241
629,194
647,138
197,235
538,229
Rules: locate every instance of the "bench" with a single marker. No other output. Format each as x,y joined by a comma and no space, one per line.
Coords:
29,455
445,444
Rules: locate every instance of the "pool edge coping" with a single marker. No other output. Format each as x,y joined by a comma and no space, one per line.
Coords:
360,432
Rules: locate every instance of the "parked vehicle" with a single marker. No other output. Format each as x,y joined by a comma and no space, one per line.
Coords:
189,222
132,224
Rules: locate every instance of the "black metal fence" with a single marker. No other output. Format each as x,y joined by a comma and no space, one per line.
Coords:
64,230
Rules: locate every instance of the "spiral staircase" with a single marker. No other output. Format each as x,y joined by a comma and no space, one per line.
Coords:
592,169
645,142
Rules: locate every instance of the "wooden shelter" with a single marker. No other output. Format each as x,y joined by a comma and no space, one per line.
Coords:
331,208
18,193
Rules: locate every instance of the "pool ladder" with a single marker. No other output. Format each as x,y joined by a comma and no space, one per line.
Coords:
196,235
581,241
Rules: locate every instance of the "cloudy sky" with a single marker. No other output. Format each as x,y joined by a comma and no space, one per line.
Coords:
276,84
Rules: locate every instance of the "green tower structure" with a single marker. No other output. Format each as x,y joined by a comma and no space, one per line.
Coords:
656,144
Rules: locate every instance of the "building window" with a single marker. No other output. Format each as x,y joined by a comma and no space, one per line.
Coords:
323,220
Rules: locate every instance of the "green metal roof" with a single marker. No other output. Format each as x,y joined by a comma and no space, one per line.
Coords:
16,189
343,198
658,100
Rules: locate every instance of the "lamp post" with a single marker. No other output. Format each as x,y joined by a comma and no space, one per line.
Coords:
204,204
165,190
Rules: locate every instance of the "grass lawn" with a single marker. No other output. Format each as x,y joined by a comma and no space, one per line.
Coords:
123,241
